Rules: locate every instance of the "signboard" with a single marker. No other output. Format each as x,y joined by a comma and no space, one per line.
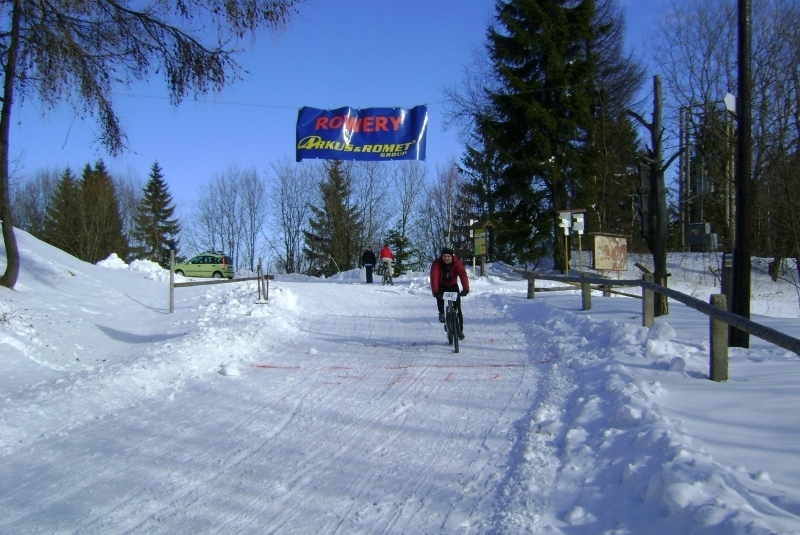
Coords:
565,221
610,253
577,223
479,237
369,134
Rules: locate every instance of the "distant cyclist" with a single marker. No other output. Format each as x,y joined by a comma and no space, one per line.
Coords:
446,271
387,257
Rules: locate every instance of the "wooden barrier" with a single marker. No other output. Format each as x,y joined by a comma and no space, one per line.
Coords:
718,368
718,313
263,286
648,303
263,282
586,293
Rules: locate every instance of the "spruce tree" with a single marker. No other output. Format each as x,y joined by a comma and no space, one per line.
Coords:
401,246
610,183
540,112
101,232
155,230
335,226
62,222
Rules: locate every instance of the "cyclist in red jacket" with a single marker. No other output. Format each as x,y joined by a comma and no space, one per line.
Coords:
387,257
446,271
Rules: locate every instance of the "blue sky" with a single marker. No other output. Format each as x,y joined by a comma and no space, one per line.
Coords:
357,53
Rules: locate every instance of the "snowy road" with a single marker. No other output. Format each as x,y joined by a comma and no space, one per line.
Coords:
360,421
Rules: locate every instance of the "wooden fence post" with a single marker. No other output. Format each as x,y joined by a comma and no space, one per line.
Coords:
648,302
171,281
260,275
586,292
718,367
531,287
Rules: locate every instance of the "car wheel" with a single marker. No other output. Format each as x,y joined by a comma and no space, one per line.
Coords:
179,272
217,275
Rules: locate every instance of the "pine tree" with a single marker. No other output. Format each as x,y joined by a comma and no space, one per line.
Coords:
62,225
610,183
552,132
540,115
101,232
403,251
155,231
334,228
83,218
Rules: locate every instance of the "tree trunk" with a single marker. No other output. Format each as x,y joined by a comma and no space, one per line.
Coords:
659,248
9,278
774,268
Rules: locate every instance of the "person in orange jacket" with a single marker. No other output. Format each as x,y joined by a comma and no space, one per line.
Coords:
446,272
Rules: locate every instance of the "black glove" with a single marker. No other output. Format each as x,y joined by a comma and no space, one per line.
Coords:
464,293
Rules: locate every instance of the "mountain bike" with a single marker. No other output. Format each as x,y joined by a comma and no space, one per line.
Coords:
451,325
387,273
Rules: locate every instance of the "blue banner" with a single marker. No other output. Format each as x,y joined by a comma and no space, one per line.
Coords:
369,134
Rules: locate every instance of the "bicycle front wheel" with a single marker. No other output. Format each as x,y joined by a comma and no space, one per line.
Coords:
452,329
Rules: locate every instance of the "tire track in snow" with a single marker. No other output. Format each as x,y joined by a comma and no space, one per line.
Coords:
391,385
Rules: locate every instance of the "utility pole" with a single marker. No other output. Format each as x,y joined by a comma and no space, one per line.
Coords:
742,250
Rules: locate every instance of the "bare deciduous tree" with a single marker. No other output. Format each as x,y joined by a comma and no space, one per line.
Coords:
254,214
214,218
372,194
228,216
439,206
30,198
293,190
129,190
409,179
696,48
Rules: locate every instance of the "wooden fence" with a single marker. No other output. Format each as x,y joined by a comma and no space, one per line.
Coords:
716,310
